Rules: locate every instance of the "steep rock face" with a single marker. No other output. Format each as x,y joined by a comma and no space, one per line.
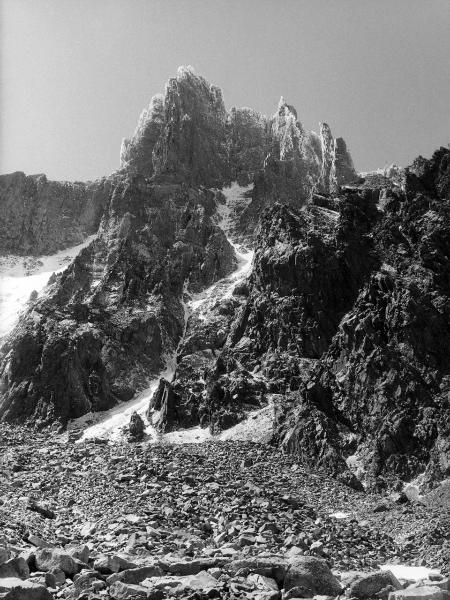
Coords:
248,143
181,137
298,164
136,154
344,168
192,144
106,324
308,268
38,216
307,271
328,171
287,165
287,132
385,376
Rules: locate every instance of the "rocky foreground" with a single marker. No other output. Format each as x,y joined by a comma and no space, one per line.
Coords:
217,520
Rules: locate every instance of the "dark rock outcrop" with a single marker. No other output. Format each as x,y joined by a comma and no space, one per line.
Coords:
308,268
167,401
346,318
384,379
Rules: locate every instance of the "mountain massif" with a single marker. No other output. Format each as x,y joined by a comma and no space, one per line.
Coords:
342,325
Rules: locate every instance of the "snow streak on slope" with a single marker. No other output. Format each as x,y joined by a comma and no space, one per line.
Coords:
235,199
110,424
201,303
21,275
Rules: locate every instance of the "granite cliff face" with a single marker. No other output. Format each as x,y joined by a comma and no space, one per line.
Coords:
297,164
38,216
136,154
248,143
181,137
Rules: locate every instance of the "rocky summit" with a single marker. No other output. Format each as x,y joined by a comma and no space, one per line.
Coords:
225,367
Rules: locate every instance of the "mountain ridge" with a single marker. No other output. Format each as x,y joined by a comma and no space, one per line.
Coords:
331,248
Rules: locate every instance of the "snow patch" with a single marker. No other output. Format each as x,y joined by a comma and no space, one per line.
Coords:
256,426
234,196
109,424
193,435
409,573
21,275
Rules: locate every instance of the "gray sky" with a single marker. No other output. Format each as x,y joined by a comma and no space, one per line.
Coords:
75,74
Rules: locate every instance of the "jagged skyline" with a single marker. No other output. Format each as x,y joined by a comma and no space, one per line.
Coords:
375,71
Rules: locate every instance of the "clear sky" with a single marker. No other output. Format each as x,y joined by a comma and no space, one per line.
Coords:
75,74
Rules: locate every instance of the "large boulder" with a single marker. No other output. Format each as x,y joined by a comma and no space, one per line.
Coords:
15,567
48,559
123,591
13,588
136,428
310,577
426,592
136,575
108,564
268,566
369,586
186,567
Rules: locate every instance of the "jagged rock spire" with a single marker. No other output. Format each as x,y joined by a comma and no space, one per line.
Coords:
187,135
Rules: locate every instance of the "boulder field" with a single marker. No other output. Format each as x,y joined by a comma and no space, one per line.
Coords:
218,520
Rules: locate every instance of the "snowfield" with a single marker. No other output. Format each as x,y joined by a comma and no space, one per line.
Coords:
21,275
409,573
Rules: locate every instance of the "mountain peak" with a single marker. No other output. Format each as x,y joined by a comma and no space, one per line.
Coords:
185,71
188,135
286,109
